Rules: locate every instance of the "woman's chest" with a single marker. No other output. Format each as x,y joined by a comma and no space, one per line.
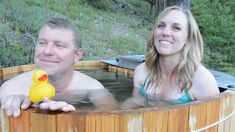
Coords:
164,91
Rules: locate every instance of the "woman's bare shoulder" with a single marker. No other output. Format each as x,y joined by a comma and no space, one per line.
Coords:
141,66
141,69
204,81
202,73
140,74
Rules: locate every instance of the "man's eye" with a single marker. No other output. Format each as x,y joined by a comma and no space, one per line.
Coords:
41,43
60,45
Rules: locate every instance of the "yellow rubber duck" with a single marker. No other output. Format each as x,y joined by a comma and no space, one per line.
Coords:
40,87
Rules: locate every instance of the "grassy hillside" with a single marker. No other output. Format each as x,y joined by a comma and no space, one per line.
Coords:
117,30
109,28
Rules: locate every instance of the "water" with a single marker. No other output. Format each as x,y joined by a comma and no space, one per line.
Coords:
1,82
119,85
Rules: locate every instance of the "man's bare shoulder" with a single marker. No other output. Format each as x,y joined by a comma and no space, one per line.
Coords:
84,81
22,82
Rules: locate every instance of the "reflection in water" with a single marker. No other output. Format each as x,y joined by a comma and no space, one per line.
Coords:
1,82
119,85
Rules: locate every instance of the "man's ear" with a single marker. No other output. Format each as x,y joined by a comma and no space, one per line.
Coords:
78,55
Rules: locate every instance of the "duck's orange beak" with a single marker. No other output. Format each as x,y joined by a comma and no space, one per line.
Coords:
43,77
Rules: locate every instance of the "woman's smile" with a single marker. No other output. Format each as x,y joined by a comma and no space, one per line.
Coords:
165,42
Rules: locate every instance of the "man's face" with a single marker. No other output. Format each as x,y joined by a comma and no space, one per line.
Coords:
55,51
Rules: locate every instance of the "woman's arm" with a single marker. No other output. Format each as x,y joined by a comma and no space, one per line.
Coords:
137,99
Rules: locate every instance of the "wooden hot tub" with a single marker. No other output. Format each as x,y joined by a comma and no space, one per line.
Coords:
215,114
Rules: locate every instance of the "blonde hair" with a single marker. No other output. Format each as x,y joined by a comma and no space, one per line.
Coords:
191,56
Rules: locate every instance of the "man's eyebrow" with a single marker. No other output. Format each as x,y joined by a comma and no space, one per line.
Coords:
41,39
60,42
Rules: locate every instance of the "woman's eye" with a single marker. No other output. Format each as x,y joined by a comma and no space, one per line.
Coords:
177,28
160,25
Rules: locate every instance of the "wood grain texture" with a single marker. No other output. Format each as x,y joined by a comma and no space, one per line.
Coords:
105,122
232,125
197,116
9,72
43,122
130,122
226,108
4,121
212,114
21,123
178,119
155,120
71,122
90,64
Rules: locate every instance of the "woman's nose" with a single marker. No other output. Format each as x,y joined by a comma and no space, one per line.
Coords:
166,32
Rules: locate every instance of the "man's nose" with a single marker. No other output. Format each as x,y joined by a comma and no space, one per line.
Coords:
49,50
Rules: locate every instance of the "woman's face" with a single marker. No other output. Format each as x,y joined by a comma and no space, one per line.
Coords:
171,34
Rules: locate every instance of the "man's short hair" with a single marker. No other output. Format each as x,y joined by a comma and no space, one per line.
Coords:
57,23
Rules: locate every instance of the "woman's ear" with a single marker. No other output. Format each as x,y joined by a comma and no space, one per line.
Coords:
78,55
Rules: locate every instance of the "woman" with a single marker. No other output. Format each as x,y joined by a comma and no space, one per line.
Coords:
173,72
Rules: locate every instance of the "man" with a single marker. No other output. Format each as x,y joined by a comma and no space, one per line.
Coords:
58,48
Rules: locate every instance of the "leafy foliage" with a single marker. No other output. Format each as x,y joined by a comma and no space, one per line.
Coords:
110,28
100,4
217,26
20,21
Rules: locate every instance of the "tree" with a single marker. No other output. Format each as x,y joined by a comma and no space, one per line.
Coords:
162,4
152,3
217,26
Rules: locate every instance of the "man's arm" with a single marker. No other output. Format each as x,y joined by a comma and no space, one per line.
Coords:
14,95
103,99
100,96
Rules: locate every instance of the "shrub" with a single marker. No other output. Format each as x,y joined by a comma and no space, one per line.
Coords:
217,27
101,4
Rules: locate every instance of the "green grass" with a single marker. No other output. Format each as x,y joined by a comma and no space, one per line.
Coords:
105,34
120,29
229,70
110,34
